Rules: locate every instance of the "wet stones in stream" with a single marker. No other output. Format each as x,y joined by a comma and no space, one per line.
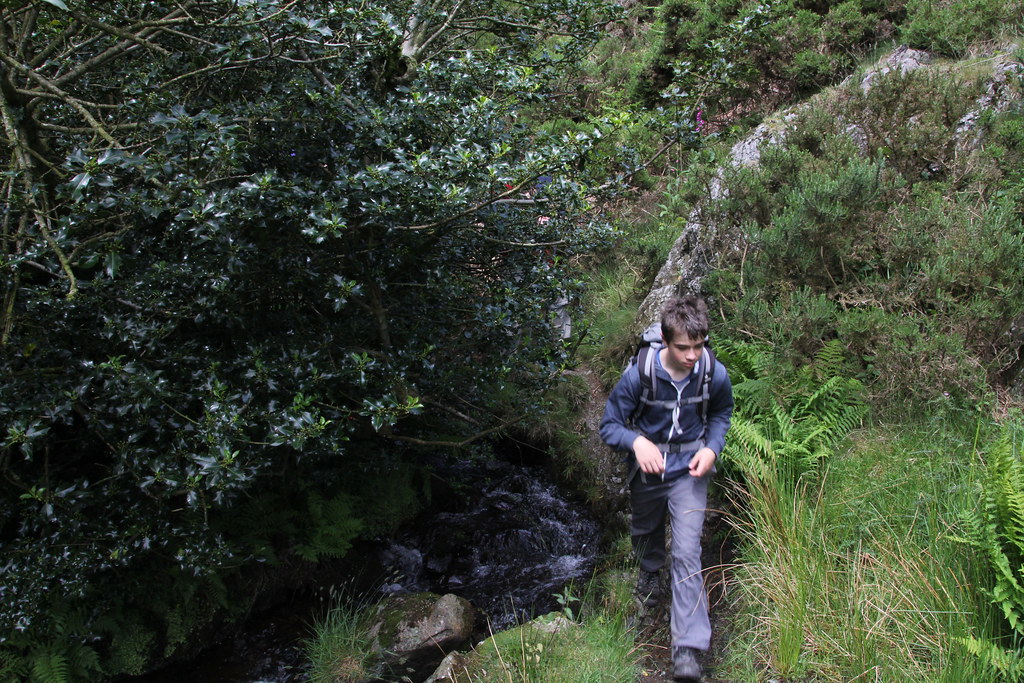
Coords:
505,539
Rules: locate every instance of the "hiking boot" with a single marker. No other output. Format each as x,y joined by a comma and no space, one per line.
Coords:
684,664
648,588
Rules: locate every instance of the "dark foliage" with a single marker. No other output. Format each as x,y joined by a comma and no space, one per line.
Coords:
257,252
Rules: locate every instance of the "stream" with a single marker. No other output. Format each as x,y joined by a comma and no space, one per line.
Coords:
500,534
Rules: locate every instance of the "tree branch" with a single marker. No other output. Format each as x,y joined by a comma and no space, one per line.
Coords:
523,244
43,55
29,28
74,102
8,243
149,29
121,33
485,23
454,444
42,221
216,67
472,209
410,49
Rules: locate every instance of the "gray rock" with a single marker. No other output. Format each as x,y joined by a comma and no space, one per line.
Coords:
474,665
449,670
411,634
902,60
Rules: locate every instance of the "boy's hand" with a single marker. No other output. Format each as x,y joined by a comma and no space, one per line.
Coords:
648,456
702,462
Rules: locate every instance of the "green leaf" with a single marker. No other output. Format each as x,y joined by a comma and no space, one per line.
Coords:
111,263
78,185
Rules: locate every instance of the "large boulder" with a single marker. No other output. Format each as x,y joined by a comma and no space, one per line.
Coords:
412,633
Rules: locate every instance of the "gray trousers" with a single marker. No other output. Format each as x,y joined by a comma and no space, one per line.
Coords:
683,501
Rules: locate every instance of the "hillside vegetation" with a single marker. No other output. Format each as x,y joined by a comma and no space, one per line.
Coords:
261,260
865,276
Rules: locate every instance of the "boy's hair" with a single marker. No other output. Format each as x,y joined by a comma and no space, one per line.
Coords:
687,314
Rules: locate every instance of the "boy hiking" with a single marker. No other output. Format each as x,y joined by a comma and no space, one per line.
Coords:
671,410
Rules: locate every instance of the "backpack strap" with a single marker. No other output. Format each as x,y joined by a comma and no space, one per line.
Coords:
645,365
705,389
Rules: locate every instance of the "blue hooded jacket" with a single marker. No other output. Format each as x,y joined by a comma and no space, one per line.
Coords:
655,423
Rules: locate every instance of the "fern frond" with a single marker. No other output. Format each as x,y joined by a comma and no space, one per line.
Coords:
751,395
333,525
1008,664
83,658
830,361
997,527
749,449
50,667
783,422
792,430
12,666
745,361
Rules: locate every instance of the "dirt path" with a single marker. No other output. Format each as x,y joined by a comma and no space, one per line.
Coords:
652,631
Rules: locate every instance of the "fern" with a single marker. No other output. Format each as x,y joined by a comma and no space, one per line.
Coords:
746,362
996,527
84,659
749,449
1007,664
831,361
332,526
54,654
50,667
12,667
64,663
788,432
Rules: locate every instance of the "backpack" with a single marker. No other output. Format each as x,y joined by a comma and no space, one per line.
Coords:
649,344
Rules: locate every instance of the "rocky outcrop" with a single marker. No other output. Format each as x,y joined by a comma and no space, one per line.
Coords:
699,245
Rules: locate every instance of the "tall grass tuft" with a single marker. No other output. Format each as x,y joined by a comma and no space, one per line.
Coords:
859,574
339,649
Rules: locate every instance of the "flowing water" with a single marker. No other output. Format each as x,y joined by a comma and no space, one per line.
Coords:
508,541
499,534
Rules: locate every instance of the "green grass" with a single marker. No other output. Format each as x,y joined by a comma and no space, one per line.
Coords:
859,575
616,288
588,642
339,649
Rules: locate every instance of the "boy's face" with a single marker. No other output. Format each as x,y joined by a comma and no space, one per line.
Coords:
682,353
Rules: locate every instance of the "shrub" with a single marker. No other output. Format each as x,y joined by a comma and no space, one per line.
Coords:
776,53
949,28
869,225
